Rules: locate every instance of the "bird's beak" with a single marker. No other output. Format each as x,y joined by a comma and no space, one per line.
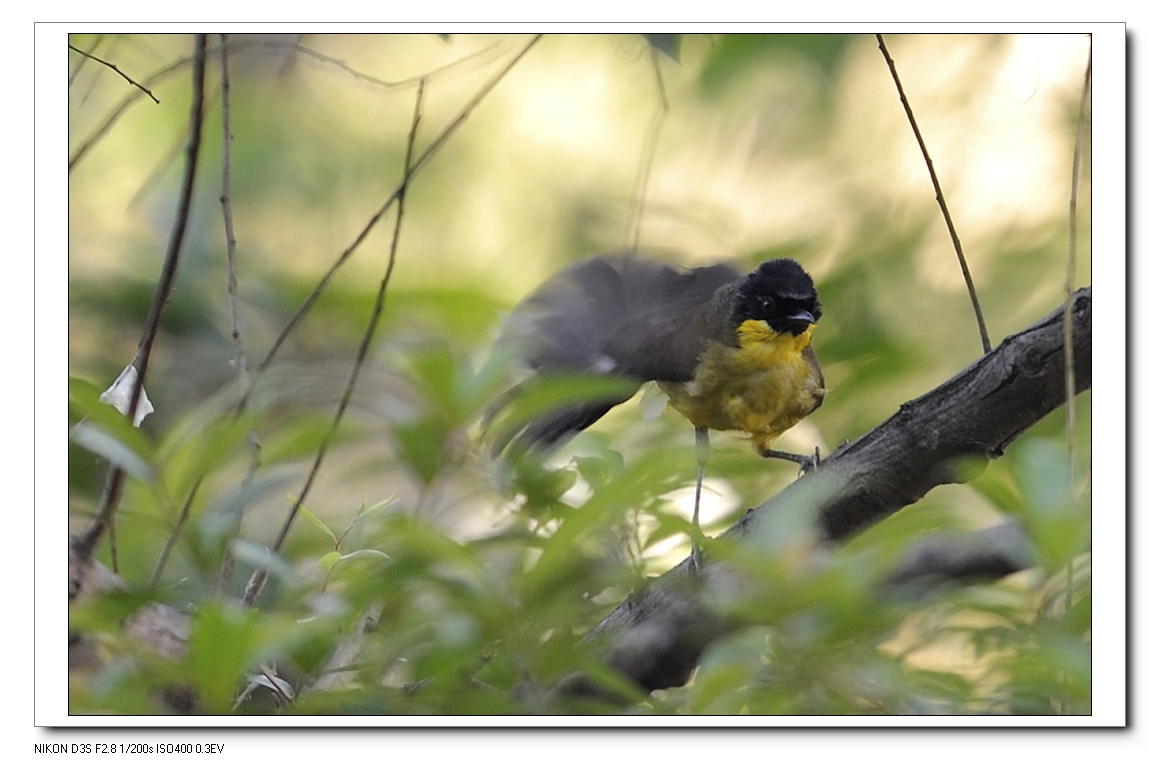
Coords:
800,321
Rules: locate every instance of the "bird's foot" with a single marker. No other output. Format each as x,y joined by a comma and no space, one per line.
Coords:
806,463
696,556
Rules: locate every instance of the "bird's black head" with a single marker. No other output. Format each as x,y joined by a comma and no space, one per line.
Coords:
781,294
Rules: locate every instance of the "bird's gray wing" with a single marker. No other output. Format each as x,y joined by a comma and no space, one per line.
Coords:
619,315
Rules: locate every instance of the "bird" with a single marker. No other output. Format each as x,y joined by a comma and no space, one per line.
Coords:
731,349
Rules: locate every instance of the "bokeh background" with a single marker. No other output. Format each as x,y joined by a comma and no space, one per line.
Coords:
691,147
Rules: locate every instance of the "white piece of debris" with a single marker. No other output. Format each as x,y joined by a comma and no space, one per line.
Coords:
120,393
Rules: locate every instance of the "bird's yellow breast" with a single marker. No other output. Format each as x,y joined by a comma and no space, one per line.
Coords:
763,386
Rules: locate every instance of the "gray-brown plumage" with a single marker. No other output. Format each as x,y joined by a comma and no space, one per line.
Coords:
643,320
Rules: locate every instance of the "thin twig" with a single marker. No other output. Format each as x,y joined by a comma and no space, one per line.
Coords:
258,580
173,535
228,220
239,45
296,49
115,482
394,196
938,194
385,85
90,141
239,361
115,69
652,138
1069,281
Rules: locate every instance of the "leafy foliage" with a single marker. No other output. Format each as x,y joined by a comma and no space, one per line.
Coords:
463,582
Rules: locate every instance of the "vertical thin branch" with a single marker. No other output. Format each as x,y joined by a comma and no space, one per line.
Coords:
938,194
228,221
257,581
1069,282
394,196
652,139
115,482
239,360
254,587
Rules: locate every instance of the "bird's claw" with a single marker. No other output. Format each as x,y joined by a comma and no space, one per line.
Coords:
806,463
696,557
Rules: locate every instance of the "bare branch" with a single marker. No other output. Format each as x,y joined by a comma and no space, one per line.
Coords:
239,360
115,69
239,45
456,122
257,581
938,194
385,85
174,533
89,142
228,223
115,482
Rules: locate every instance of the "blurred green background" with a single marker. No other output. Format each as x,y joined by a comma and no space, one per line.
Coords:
765,145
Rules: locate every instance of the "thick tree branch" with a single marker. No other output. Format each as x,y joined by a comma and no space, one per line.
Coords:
656,636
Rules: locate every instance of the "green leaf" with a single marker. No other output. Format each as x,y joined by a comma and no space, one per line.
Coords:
105,612
257,555
433,370
461,314
97,441
736,54
477,388
188,457
421,444
385,506
222,645
358,554
301,437
314,520
329,560
998,488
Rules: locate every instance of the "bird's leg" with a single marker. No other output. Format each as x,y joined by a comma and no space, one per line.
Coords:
701,439
806,463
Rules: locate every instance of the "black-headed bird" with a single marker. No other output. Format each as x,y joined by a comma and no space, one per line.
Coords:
731,350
